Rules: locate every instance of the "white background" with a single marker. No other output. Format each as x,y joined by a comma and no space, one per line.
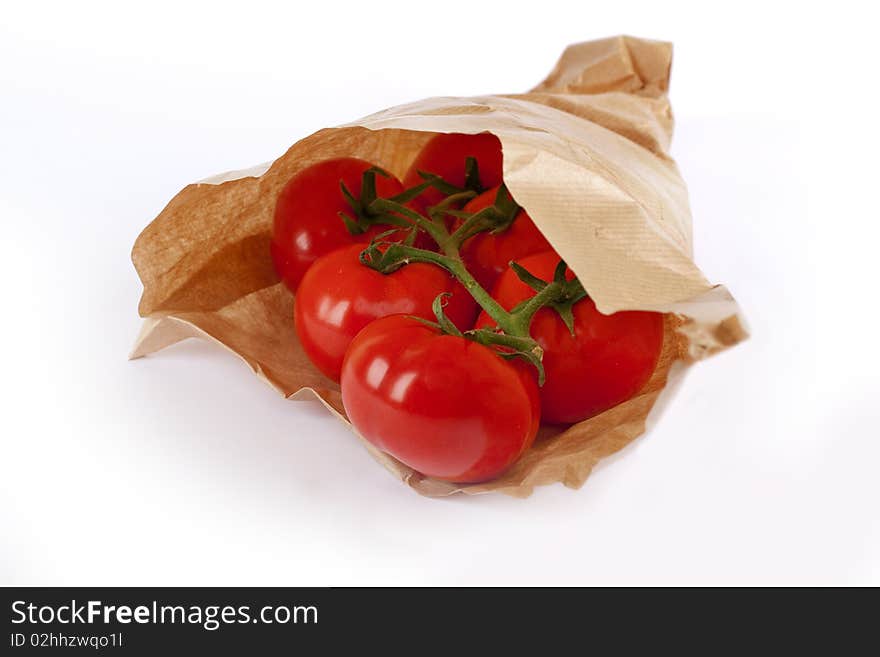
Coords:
183,468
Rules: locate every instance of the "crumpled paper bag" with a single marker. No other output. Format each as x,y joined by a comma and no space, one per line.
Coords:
585,152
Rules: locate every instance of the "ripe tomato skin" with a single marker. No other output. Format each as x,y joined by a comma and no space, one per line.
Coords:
609,359
444,405
444,155
307,223
339,296
487,255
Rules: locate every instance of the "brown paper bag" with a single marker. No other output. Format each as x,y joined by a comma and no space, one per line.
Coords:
585,152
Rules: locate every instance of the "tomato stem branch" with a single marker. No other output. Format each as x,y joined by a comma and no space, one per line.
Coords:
512,328
387,257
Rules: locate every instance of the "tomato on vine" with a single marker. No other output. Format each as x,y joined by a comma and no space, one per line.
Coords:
454,400
338,296
307,222
488,253
446,406
602,361
464,161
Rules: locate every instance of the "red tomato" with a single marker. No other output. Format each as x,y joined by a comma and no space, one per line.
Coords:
444,405
487,255
445,154
307,223
339,296
607,361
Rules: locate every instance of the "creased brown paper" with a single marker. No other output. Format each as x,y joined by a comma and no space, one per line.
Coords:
585,152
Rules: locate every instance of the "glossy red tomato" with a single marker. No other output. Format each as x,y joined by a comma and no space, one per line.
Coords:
339,296
607,361
487,254
446,406
445,154
307,223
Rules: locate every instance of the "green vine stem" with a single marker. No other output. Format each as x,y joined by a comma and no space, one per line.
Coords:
387,257
365,215
512,327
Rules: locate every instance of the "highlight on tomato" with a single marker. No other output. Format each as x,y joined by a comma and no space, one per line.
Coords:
338,296
605,361
446,406
307,221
